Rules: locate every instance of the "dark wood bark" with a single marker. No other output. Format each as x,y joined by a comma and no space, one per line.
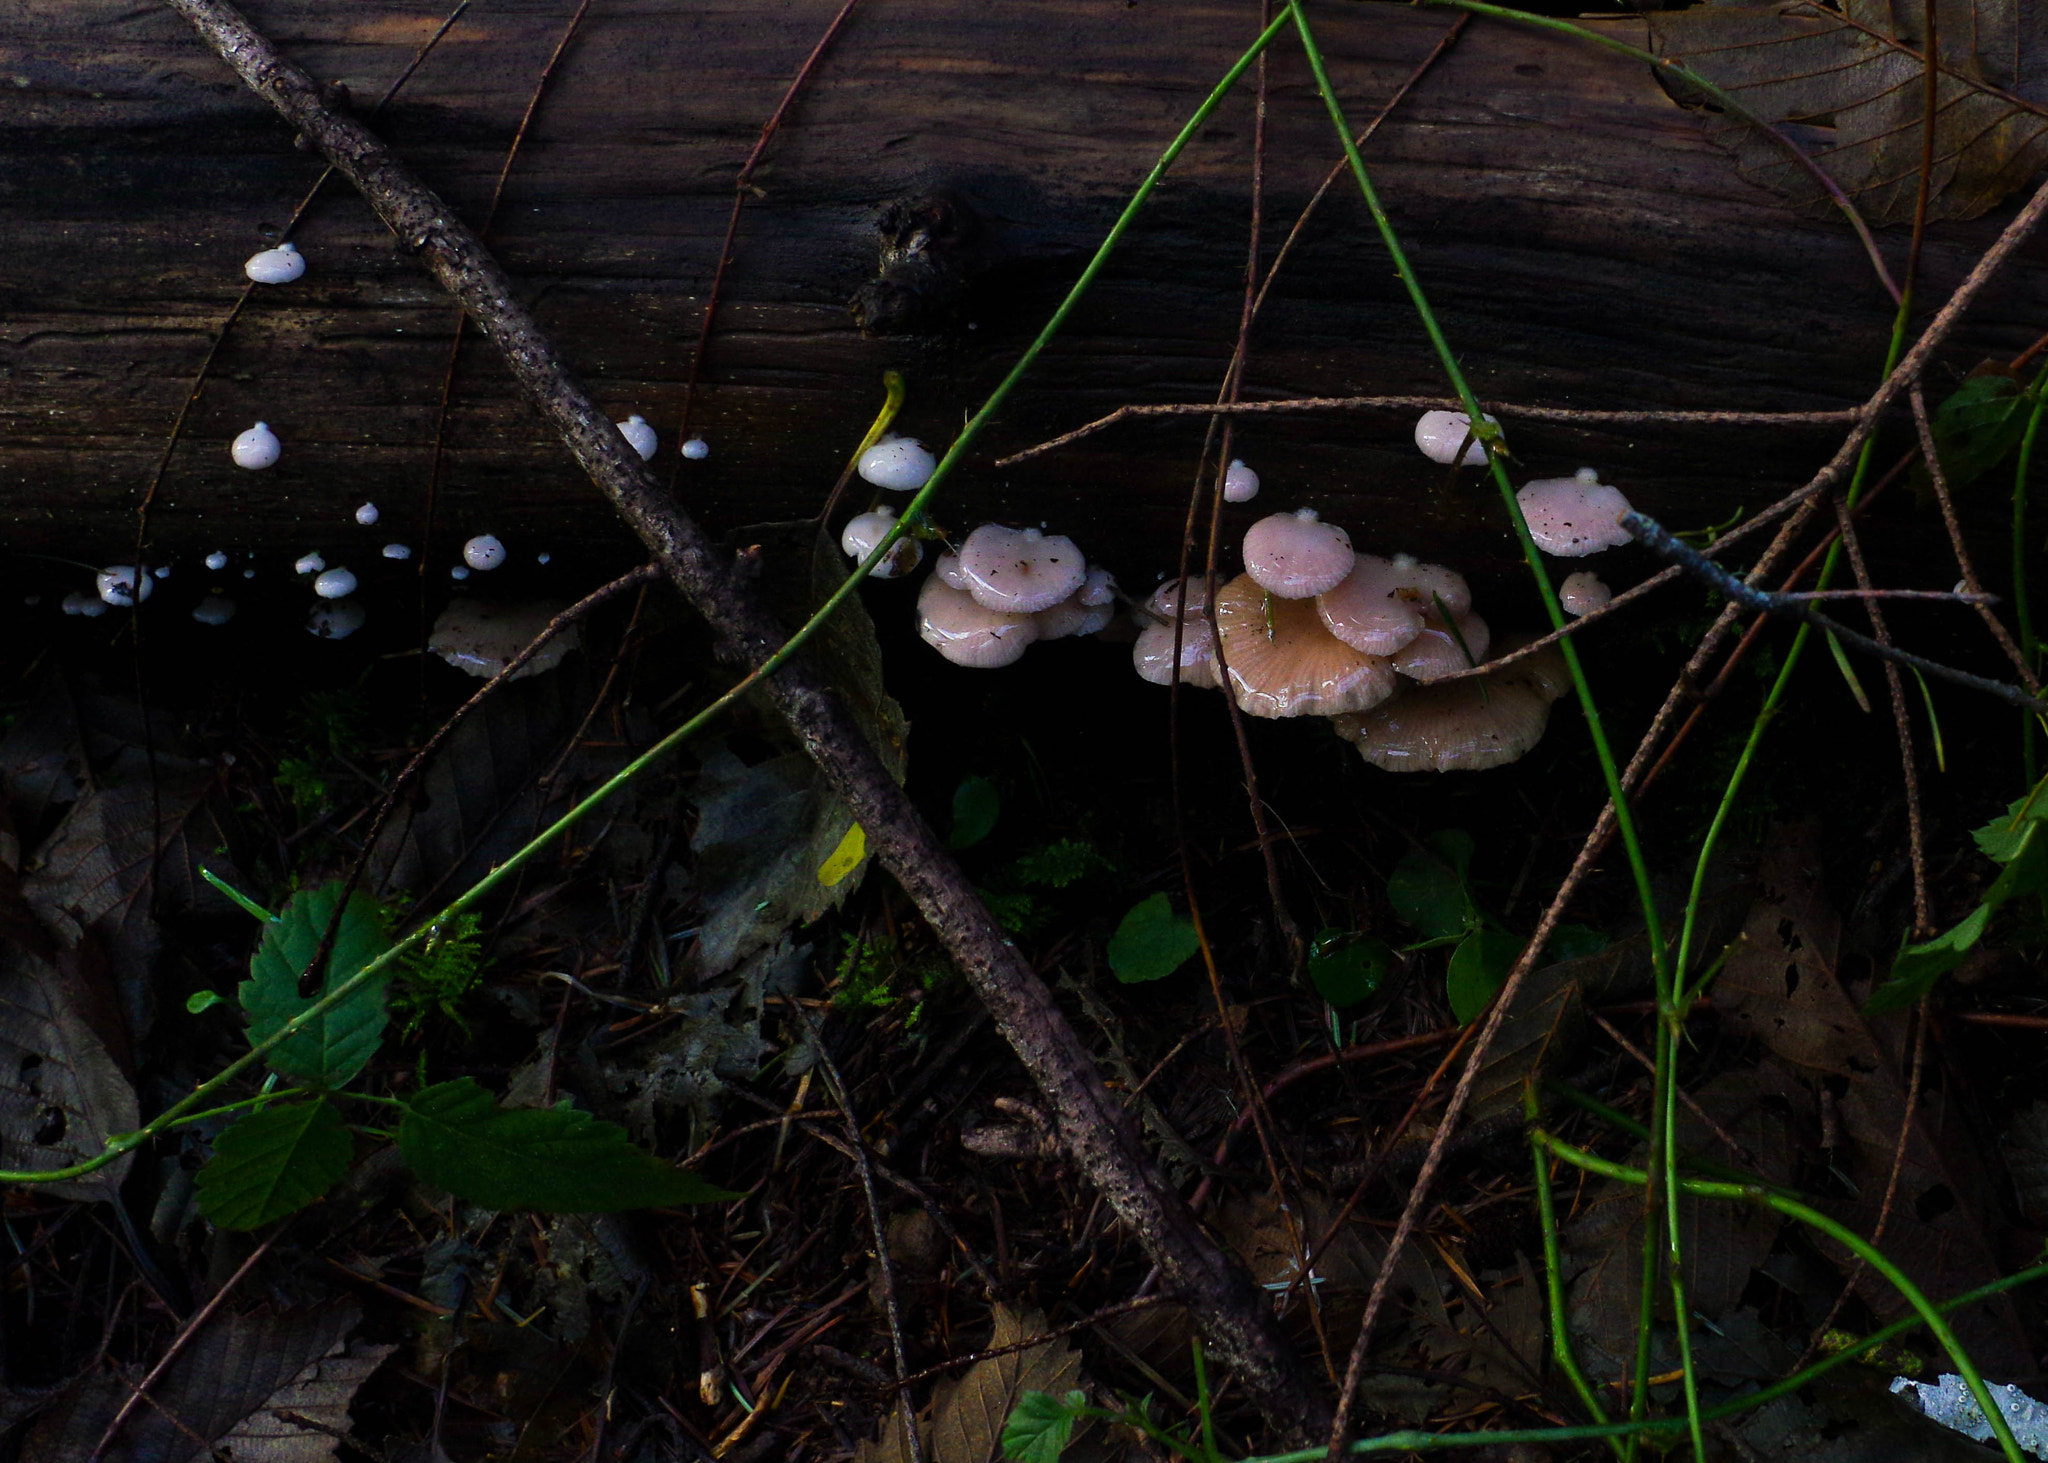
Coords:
1584,243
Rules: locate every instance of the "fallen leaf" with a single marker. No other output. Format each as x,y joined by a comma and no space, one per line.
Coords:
62,1094
1846,84
964,1423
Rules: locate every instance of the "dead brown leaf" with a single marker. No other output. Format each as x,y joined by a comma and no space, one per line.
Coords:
1847,85
964,1423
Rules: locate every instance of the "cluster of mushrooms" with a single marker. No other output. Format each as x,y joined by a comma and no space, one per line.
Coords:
1313,628
1389,650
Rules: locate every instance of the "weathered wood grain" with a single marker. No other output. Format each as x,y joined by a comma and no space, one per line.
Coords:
1584,244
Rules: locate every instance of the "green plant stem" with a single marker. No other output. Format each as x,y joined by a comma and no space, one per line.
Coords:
118,1144
1842,1235
1561,1348
1626,1124
1478,426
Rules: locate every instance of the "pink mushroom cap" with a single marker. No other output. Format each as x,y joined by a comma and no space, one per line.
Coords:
967,632
1575,516
1297,555
1020,570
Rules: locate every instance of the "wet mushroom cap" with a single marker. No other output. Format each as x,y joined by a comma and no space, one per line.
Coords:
865,530
1073,616
1240,483
967,632
1296,555
1575,516
1367,611
1435,651
1020,571
946,569
1282,662
1438,434
1152,656
1582,593
1467,725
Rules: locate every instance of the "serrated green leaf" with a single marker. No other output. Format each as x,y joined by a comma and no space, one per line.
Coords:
2000,839
976,806
1981,421
1345,970
341,1040
1478,968
1041,1425
1151,943
273,1162
1427,888
558,1160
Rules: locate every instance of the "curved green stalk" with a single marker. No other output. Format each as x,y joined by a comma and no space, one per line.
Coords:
1841,1234
124,1142
1561,1349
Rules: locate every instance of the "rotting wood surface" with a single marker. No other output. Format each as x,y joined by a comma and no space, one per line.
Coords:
1583,243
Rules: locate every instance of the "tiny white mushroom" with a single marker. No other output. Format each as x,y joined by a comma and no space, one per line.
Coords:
89,605
367,514
281,265
397,551
248,573
216,560
639,436
1438,434
900,464
459,571
256,448
309,564
337,619
696,449
543,557
483,552
215,609
1582,593
118,585
1240,483
866,530
335,584
162,571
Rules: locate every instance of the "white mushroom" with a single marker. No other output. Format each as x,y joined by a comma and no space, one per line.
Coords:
483,552
1438,434
215,609
1582,593
864,531
696,449
335,584
1240,483
367,514
117,585
1296,555
216,560
966,631
256,448
639,436
1020,570
281,265
900,464
309,564
336,619
397,551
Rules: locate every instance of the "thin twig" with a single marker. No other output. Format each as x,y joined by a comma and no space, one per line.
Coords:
1660,540
1939,477
1566,416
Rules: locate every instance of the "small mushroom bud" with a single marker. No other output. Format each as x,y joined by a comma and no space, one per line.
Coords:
256,448
1438,434
1240,483
281,265
868,529
1582,593
639,436
1575,516
900,464
483,552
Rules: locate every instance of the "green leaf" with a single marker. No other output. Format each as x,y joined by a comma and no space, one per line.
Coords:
1041,1425
1978,424
272,1162
1917,967
2001,838
341,1041
558,1160
202,1001
1152,942
1478,968
1344,970
976,804
1427,888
